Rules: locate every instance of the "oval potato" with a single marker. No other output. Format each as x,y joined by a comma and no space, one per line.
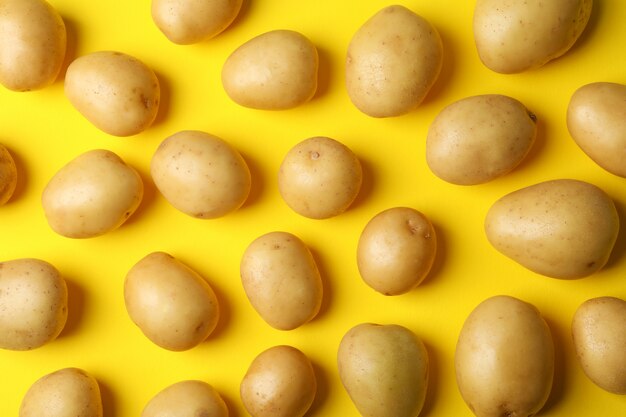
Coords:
8,175
186,399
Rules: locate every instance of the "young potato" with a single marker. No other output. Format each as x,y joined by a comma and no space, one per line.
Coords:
8,175
190,21
276,70
599,333
200,174
68,392
116,92
384,369
281,280
519,35
561,228
93,194
280,382
596,119
186,399
33,41
33,304
171,303
319,178
480,138
504,359
396,250
393,61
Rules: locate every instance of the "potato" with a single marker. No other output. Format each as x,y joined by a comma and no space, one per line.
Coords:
276,70
8,175
33,304
519,35
480,138
68,392
91,195
33,41
396,250
171,303
191,21
320,178
116,92
186,399
562,228
281,280
599,334
504,359
280,382
393,61
384,369
596,120
200,174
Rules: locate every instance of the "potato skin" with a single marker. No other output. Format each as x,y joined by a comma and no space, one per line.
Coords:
504,359
8,175
186,399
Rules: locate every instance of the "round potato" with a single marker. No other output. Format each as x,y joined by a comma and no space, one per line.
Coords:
596,119
393,61
480,138
186,399
200,174
93,194
116,92
8,175
276,70
319,178
396,250
33,304
191,21
33,41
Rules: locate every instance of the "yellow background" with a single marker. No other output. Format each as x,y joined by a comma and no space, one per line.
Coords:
43,132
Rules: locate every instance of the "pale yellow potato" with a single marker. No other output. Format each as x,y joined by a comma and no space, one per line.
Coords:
186,399
320,178
93,194
396,250
33,41
171,303
281,280
480,138
518,35
504,359
33,304
561,228
280,382
393,61
116,92
68,392
191,21
200,174
8,175
596,119
384,369
599,334
276,70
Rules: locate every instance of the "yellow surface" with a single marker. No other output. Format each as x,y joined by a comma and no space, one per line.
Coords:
43,132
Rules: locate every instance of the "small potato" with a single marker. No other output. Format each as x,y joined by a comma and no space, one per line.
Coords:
186,399
68,392
596,119
93,194
33,304
599,333
200,174
319,178
281,280
393,61
504,359
276,70
116,92
280,382
171,303
480,138
8,175
33,41
190,21
396,250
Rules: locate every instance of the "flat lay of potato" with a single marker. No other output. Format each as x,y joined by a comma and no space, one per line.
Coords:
188,398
